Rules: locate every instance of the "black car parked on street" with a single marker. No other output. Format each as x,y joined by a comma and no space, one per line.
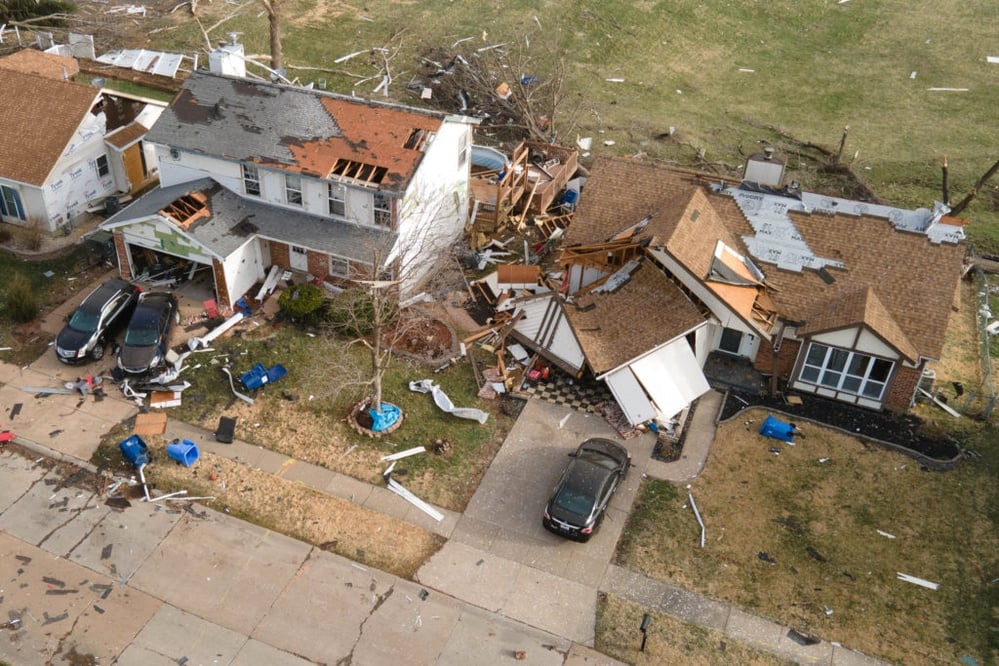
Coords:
146,338
95,321
580,499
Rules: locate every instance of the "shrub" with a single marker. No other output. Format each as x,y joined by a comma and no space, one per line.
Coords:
350,313
300,301
22,303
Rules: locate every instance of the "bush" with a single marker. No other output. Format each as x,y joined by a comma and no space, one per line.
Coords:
22,303
350,313
300,301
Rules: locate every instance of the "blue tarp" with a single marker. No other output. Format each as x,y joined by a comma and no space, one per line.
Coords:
384,419
773,427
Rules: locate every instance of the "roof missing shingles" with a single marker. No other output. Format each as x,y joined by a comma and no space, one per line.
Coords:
359,171
187,210
298,130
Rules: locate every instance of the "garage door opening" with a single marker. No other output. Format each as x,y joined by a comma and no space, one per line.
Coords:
163,269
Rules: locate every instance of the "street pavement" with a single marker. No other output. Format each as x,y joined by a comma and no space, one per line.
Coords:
158,584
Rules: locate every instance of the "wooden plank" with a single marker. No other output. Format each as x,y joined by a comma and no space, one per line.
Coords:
151,423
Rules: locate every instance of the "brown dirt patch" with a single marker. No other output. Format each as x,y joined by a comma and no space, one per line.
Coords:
291,508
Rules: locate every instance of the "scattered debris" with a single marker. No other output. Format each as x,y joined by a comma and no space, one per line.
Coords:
918,581
697,514
150,423
766,557
402,492
816,554
245,398
802,639
404,454
444,402
886,534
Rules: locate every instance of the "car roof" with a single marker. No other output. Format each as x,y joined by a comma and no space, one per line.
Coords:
586,475
99,296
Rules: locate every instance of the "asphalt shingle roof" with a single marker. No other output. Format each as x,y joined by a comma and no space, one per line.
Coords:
234,220
43,114
898,283
292,128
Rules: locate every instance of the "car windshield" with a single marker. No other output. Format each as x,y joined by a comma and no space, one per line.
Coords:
598,458
83,321
579,491
142,330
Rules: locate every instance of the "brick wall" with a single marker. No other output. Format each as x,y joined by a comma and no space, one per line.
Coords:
319,264
280,255
222,296
902,387
785,358
123,262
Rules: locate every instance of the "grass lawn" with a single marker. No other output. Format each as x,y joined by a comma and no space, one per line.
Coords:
726,75
302,415
52,282
668,641
831,493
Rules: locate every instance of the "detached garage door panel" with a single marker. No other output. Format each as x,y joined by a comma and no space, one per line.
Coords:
630,396
671,376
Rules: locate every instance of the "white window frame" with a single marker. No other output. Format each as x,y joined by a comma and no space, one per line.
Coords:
845,370
293,189
336,194
343,264
102,165
10,203
251,180
381,208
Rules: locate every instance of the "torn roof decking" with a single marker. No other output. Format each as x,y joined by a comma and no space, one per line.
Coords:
913,276
297,129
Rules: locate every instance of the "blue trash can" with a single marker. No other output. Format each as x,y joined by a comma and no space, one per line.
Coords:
255,377
135,451
183,451
773,427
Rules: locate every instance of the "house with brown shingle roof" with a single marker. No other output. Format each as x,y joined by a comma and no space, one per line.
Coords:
325,186
61,155
847,300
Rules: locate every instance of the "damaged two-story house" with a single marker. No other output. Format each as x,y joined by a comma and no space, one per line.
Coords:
662,268
68,146
256,176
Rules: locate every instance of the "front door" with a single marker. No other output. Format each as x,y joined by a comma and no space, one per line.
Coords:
299,259
731,341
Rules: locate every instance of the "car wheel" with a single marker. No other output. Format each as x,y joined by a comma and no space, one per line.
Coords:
97,353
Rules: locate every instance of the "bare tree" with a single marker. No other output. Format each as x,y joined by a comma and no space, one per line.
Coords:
517,87
374,311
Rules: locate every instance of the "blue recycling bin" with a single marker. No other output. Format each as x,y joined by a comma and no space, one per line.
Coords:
258,375
777,429
135,451
183,451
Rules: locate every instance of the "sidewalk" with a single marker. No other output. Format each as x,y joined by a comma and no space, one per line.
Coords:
186,605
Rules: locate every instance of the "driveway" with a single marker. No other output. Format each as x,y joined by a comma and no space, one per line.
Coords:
499,556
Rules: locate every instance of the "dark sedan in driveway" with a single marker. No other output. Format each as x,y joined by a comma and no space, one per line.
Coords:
145,344
585,489
96,321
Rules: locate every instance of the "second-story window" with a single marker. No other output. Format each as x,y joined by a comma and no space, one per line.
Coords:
251,180
383,210
293,189
338,200
103,168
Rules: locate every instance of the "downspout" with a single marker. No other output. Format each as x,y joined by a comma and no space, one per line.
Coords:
778,339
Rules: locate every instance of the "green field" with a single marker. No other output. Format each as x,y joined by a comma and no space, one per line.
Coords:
817,67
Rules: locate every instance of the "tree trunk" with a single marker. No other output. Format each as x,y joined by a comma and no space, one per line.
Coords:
274,18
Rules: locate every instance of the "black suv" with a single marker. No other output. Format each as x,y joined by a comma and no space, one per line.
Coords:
96,321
